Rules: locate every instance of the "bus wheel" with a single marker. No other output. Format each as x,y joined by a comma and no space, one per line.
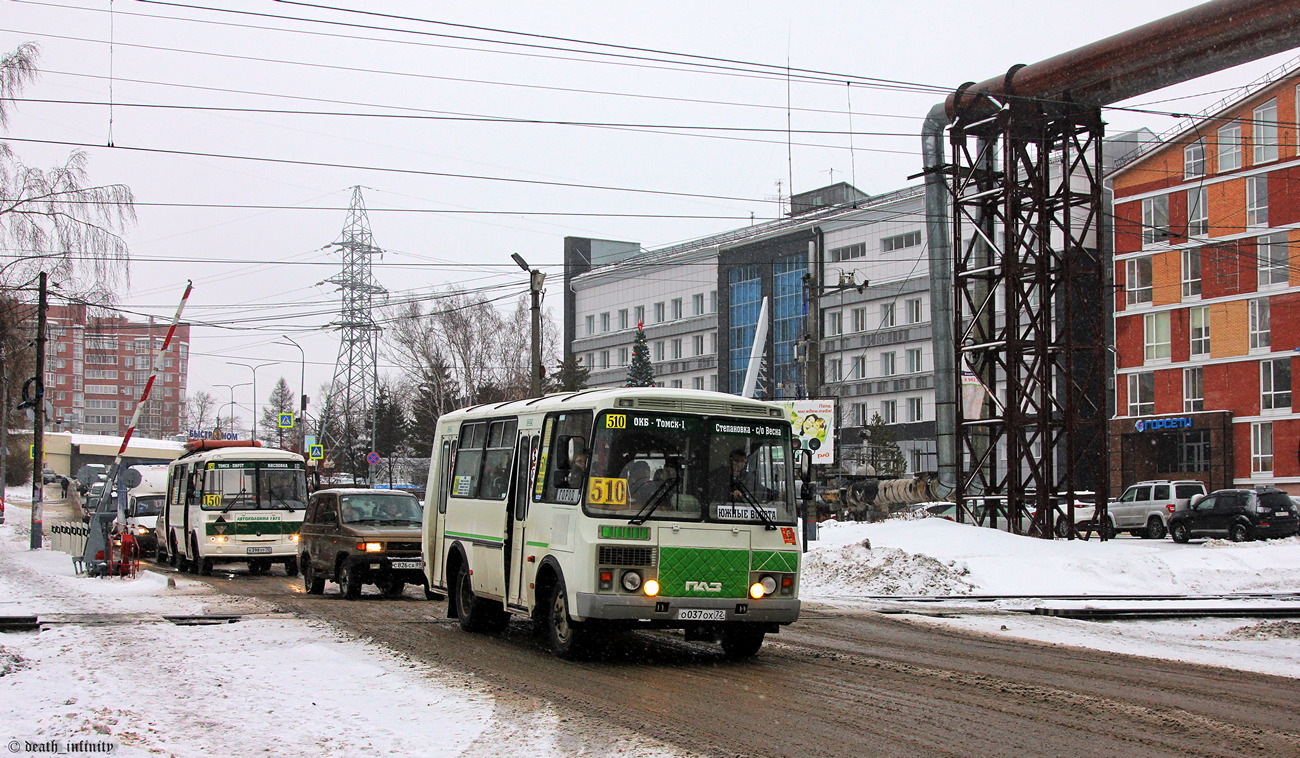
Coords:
741,640
476,613
291,567
568,638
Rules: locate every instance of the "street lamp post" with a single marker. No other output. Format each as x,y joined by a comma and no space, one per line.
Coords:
253,435
231,416
535,280
302,393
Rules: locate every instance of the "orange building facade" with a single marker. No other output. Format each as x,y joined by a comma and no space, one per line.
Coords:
1207,299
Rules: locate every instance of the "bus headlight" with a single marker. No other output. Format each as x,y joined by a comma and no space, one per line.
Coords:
293,538
631,581
763,587
650,588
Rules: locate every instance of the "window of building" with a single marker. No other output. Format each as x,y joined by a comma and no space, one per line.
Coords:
604,359
591,324
713,301
888,363
848,252
914,360
915,410
677,348
859,319
659,351
622,319
1261,447
859,370
676,308
1156,336
1199,330
834,323
1155,219
1191,272
1193,389
659,313
1194,160
1137,280
697,383
1229,147
834,369
697,304
1198,212
859,414
1260,333
639,313
1257,200
713,382
697,344
1275,384
887,317
604,322
1142,394
1264,133
1274,259
622,356
676,384
914,310
900,241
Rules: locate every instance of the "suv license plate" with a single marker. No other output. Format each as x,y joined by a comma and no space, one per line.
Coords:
697,614
258,550
405,564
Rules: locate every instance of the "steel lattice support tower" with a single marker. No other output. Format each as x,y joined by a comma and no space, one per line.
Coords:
346,423
1030,309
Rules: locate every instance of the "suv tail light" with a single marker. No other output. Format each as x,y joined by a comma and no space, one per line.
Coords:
1170,507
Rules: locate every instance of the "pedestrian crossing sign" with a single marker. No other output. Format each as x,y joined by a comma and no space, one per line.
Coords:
286,420
316,452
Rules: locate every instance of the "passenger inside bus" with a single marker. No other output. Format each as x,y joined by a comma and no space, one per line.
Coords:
640,484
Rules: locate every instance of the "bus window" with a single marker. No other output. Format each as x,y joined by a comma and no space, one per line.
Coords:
469,458
562,470
496,460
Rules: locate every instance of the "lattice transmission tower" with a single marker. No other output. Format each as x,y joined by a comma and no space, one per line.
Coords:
346,423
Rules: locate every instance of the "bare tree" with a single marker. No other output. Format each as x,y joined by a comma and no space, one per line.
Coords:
60,223
199,410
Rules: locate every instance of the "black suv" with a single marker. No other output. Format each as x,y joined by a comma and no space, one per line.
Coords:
1239,515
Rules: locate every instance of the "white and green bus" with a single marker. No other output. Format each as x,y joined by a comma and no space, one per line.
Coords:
614,509
233,501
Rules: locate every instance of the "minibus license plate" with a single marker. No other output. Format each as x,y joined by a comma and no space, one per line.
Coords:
697,614
405,564
258,550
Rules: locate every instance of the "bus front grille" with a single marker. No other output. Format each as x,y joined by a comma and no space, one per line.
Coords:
626,555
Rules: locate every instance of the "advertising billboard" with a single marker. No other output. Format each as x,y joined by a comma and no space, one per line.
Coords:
814,427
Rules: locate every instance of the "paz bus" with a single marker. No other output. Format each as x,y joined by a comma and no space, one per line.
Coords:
608,509
230,500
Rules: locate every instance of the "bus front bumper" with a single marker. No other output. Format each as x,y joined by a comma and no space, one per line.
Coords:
679,611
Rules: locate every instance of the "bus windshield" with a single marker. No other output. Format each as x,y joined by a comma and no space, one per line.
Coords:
254,485
669,466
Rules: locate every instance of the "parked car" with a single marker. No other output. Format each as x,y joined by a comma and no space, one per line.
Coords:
356,537
48,476
1239,515
1145,508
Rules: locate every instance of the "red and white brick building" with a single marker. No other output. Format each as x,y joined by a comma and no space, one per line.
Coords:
1207,299
96,368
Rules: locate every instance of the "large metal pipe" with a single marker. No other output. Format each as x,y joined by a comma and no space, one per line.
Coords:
941,295
1210,37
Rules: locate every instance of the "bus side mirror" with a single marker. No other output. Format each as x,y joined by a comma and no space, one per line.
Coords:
805,465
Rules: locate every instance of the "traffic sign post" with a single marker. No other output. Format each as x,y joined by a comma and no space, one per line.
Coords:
316,452
373,459
286,420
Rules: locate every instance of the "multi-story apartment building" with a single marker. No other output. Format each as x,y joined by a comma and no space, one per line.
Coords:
1207,300
96,368
699,303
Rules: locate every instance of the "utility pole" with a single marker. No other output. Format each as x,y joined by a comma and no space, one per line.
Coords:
38,429
535,280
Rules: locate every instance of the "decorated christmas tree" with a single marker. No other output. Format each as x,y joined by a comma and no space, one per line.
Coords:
639,372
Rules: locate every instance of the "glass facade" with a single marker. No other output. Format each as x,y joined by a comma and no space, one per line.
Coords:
787,324
745,298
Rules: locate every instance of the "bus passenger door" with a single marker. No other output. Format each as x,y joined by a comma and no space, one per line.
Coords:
435,526
518,568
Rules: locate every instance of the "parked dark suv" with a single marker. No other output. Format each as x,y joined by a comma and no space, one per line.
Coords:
357,536
1239,515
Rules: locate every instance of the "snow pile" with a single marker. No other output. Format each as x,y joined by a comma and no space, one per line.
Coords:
857,569
10,662
1266,630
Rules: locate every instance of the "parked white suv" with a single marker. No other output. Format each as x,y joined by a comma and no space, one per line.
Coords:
1144,508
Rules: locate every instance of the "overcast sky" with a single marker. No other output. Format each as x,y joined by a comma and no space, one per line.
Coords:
398,106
